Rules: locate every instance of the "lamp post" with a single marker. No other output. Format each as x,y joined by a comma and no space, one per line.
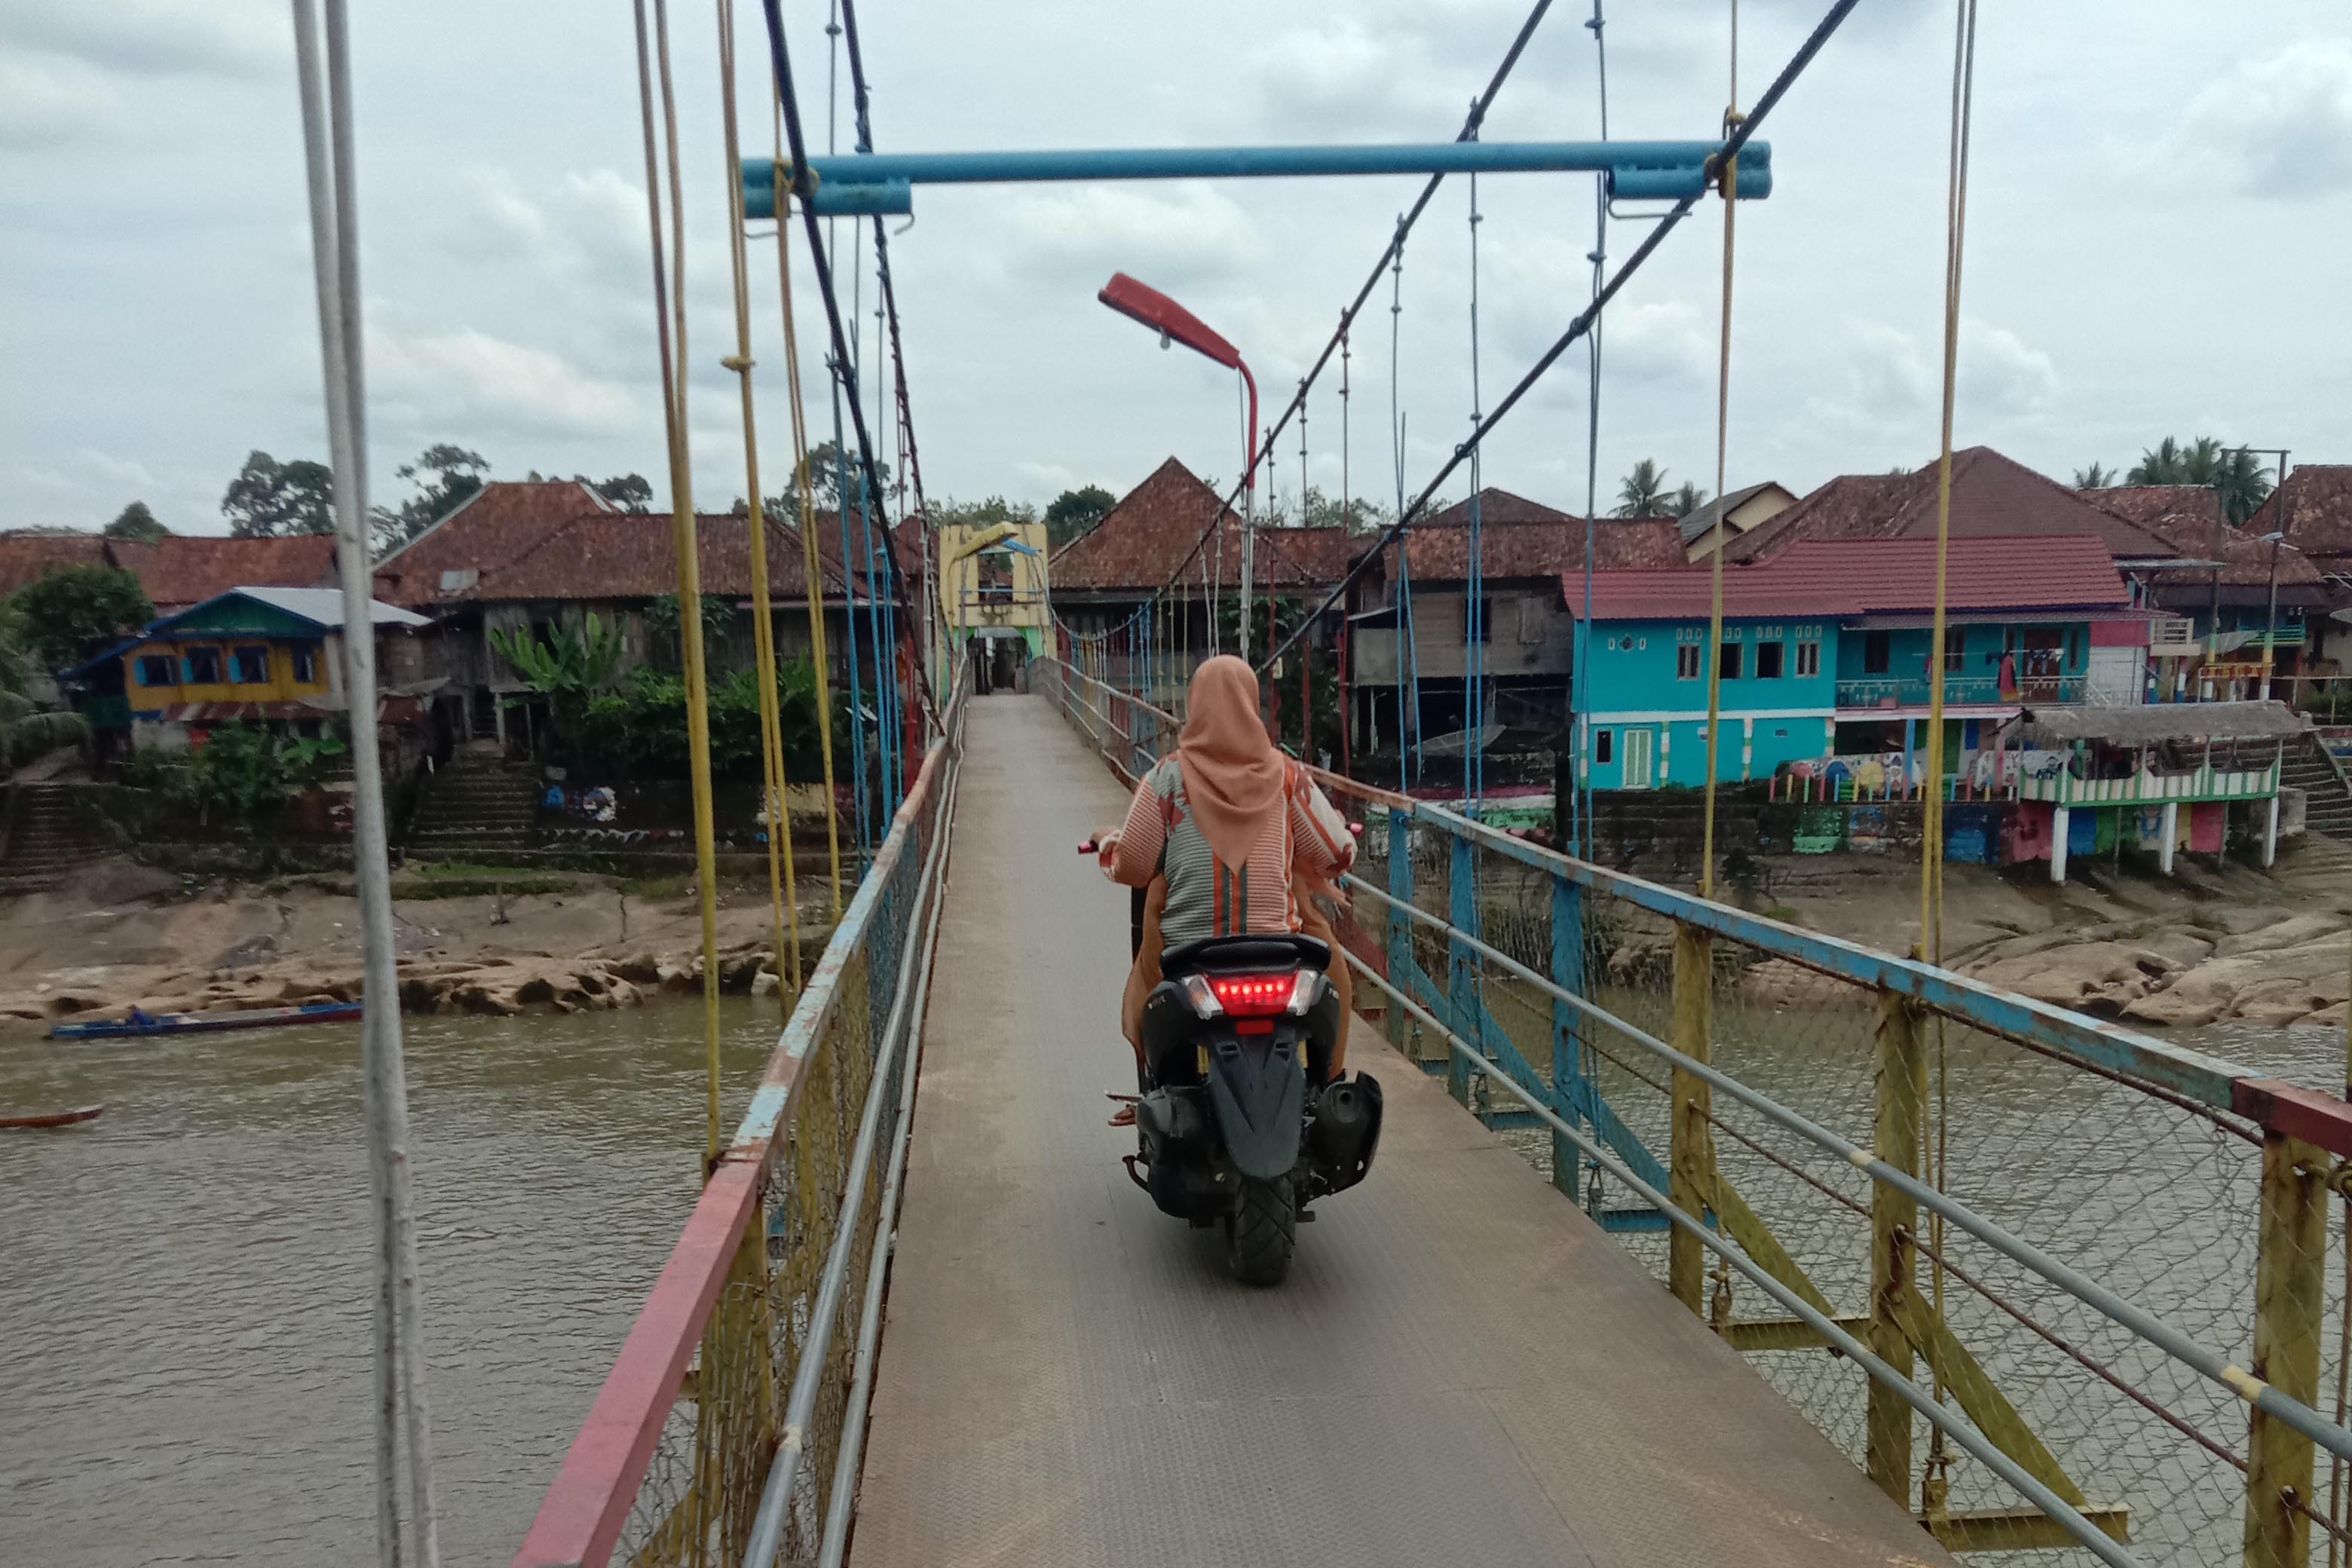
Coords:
2276,540
1141,302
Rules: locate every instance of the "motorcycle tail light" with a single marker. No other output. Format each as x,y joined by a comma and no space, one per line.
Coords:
1308,986
1205,1001
1253,996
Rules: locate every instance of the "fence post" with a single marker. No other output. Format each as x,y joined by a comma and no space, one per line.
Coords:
1400,933
1691,1155
1461,982
1893,1238
2290,1267
1570,1089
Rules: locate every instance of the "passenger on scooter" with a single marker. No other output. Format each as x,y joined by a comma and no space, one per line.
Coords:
1236,833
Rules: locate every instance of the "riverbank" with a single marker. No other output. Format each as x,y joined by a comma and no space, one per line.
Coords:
469,940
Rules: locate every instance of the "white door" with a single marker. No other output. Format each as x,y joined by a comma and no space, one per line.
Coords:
1637,757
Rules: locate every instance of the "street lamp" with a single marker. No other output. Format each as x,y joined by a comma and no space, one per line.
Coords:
2277,541
1141,302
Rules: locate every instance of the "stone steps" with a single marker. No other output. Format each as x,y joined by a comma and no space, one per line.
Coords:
49,841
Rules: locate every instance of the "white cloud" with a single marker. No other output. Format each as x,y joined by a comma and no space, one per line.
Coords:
154,37
2281,126
588,226
1046,478
461,378
1177,237
2002,376
46,101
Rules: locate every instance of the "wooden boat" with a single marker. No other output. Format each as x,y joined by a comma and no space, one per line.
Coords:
206,1023
54,1118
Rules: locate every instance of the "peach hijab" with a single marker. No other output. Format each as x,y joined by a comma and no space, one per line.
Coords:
1233,774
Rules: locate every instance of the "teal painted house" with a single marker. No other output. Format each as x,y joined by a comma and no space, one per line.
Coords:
1827,649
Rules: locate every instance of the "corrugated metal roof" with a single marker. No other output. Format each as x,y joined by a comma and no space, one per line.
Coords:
2147,723
1856,577
324,607
1992,497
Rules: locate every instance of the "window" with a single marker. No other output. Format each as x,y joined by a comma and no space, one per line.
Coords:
1602,751
249,666
305,663
1809,659
156,669
1729,664
1767,661
1532,620
1955,648
1878,653
201,667
1686,661
1481,628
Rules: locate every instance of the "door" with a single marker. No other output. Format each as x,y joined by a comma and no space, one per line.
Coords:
1637,758
2112,680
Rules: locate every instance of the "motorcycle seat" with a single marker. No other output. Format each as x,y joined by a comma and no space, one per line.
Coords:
1226,955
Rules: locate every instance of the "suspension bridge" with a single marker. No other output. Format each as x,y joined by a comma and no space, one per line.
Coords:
1625,1287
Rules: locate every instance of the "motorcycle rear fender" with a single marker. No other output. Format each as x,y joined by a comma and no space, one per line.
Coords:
1259,1090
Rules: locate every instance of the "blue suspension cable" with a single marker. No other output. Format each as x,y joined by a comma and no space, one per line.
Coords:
1409,661
1475,630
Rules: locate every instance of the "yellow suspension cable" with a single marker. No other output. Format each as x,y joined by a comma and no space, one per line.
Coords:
807,501
782,895
669,321
1731,177
1934,1487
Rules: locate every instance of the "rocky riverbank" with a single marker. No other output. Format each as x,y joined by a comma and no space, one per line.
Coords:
479,941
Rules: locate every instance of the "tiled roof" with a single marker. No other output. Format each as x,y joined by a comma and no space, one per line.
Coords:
632,555
1992,497
2186,516
496,526
1542,549
1696,521
1498,506
1855,577
25,557
188,569
1139,544
2314,508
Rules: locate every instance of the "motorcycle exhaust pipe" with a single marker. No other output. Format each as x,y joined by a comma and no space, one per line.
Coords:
1345,1119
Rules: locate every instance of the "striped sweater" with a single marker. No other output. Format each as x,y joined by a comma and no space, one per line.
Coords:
1207,897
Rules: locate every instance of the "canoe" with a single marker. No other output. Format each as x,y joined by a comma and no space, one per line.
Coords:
54,1118
207,1022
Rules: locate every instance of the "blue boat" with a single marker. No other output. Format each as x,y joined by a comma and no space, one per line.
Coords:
143,1023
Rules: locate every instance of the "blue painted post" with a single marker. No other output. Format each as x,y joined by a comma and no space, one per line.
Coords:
1460,978
1570,1085
1400,933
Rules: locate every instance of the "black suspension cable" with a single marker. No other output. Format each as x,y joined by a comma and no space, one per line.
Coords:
1723,155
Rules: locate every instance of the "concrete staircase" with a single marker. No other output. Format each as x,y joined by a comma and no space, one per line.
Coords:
48,841
2327,798
478,806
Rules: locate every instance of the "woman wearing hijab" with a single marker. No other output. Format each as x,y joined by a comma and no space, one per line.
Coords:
1228,821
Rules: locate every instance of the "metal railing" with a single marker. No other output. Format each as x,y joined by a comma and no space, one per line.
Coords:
1865,693
731,1427
2052,1284
2149,787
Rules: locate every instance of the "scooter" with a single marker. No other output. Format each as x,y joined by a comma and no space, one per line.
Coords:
1230,1129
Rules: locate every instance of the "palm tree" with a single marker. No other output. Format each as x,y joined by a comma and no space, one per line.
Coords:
2244,484
2241,483
1643,492
1684,502
2094,477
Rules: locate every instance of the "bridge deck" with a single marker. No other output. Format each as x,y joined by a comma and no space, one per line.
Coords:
1461,1368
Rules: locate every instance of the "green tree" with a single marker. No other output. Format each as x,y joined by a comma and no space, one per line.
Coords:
135,522
26,729
444,476
2094,477
630,492
827,466
1643,492
2242,483
1074,512
981,513
1683,502
68,611
268,499
665,626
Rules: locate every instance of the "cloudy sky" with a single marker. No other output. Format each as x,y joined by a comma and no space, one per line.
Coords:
2160,218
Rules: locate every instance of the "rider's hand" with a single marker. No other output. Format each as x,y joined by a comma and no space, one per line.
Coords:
1106,850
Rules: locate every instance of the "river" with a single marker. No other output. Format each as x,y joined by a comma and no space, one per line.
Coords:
185,1283
184,1301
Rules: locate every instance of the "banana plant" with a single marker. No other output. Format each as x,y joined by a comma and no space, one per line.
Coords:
571,667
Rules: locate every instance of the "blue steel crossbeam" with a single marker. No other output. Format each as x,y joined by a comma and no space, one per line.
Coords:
868,184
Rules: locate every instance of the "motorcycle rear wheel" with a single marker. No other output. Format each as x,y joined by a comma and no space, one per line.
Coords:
1262,1232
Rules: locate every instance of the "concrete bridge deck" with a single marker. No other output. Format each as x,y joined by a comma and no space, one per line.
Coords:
1461,1368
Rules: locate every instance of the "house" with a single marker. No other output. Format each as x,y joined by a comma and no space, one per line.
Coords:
252,654
2312,509
1416,623
1729,516
2232,592
1828,651
1992,497
175,572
